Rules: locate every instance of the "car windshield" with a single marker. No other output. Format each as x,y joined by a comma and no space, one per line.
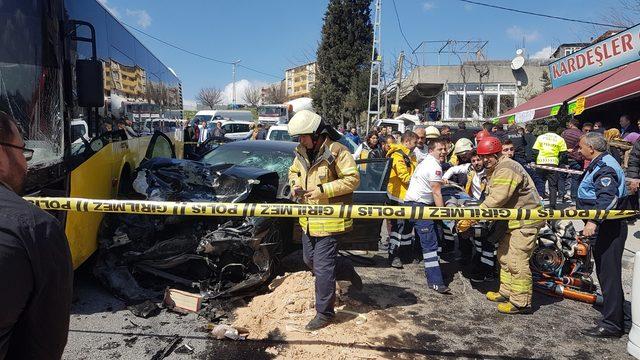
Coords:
280,135
268,159
201,118
271,111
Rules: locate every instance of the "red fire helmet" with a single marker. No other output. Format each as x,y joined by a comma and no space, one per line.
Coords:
489,145
482,134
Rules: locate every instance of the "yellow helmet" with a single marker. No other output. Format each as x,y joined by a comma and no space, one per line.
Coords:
462,145
432,132
304,122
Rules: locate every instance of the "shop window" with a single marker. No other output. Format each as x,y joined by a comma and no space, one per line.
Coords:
506,103
472,106
490,106
456,106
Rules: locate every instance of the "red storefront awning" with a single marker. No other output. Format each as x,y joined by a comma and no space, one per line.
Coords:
542,105
624,83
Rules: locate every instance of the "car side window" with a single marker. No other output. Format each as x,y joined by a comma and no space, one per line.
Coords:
374,174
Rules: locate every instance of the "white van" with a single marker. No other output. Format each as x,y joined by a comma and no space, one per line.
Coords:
235,130
214,115
401,123
278,133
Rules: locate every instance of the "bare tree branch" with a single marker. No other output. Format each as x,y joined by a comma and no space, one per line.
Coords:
625,14
209,97
252,95
276,94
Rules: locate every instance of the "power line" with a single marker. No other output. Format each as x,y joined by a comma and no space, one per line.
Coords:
259,72
541,15
395,9
199,55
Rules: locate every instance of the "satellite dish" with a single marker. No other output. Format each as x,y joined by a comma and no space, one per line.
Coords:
517,62
519,52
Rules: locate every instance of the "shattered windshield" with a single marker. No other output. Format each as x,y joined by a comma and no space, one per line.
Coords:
30,80
267,159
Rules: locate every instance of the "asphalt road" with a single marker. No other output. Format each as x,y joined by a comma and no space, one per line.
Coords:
463,324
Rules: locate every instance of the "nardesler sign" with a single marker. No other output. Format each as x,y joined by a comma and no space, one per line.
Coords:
617,50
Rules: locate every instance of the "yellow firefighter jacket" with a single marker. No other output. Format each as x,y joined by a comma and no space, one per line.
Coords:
403,164
334,168
509,186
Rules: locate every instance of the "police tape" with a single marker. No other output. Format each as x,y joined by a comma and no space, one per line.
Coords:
557,169
565,170
316,211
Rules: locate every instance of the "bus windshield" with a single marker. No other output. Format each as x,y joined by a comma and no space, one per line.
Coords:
31,82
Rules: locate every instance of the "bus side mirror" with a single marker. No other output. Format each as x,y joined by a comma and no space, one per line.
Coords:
90,83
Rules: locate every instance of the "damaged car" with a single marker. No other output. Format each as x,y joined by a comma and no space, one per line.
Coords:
217,256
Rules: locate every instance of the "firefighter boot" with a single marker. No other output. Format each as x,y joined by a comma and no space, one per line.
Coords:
509,308
496,297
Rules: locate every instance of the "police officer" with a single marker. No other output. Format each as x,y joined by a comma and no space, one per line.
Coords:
35,263
602,187
551,151
323,172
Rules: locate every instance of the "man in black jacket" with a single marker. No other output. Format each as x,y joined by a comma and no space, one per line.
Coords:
35,263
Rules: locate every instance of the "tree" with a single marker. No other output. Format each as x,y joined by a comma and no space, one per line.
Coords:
252,96
343,57
546,81
276,94
209,97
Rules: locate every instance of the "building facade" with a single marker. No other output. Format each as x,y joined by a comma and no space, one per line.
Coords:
300,80
474,91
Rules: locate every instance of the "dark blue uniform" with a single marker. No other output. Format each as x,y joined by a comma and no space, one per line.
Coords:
602,187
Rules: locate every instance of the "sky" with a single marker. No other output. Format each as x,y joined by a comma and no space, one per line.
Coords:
271,36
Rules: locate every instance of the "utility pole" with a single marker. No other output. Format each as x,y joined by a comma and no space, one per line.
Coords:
374,74
399,83
233,86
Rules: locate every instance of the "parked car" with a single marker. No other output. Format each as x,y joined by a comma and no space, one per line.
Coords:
234,130
280,133
215,115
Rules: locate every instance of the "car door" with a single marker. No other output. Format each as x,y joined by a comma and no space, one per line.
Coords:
160,146
374,177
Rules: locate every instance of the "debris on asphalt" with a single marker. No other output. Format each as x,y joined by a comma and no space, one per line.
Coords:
129,342
145,309
109,346
182,301
167,350
221,332
184,349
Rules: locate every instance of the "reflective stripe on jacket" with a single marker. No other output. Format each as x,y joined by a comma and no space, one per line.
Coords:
403,164
509,186
334,168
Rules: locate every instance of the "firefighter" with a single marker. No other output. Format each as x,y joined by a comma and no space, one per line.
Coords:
602,187
323,172
403,163
509,186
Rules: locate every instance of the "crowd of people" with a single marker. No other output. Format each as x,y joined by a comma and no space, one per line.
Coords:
510,168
